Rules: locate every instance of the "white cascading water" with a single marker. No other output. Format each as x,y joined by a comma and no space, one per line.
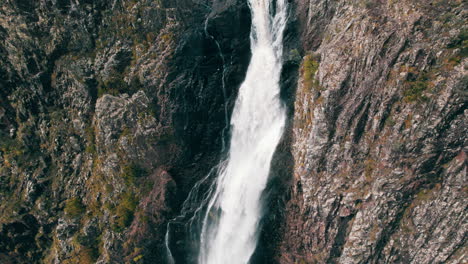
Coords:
229,233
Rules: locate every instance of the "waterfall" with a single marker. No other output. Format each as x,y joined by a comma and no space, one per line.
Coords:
229,233
223,218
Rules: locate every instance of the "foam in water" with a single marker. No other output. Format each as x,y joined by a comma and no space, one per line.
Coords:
223,218
231,220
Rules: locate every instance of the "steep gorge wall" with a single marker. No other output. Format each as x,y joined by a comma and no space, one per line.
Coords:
110,111
379,134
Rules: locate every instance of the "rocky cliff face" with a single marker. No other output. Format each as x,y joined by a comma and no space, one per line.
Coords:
379,134
110,111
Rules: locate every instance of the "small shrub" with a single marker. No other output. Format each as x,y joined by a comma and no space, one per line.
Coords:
9,145
74,208
138,258
369,4
88,255
115,85
310,67
131,172
167,37
414,89
135,85
294,56
390,122
124,211
370,166
461,43
125,132
90,138
84,255
91,148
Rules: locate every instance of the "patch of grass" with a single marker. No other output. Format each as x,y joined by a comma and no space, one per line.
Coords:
310,67
114,86
11,149
90,139
414,88
390,122
84,255
138,258
131,172
8,144
91,148
294,56
88,247
460,42
408,121
370,166
125,132
167,37
369,4
74,208
117,85
150,37
124,212
414,91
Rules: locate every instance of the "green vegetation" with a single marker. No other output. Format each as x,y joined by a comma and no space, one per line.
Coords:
421,197
126,132
415,87
167,37
88,248
90,139
138,258
127,202
370,166
10,148
419,82
414,91
84,255
117,85
390,122
310,67
88,255
91,148
124,212
369,4
131,172
114,86
294,56
461,44
74,208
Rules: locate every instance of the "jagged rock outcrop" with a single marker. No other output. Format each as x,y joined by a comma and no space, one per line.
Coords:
379,134
110,111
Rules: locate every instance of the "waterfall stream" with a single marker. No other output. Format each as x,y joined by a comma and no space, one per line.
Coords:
229,211
229,233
